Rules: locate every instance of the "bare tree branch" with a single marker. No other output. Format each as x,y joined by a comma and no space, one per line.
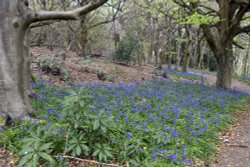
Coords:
243,29
41,24
65,15
243,9
238,45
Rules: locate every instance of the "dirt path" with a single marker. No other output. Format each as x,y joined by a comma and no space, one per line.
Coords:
235,150
235,83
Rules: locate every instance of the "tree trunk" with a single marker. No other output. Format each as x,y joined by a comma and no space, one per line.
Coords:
179,54
83,35
170,60
203,46
14,81
224,58
245,62
187,58
187,54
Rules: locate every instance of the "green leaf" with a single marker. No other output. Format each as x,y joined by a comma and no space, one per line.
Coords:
78,150
85,147
104,129
96,125
101,156
25,159
26,150
71,147
108,153
34,160
29,141
91,106
95,153
37,143
45,146
46,157
134,162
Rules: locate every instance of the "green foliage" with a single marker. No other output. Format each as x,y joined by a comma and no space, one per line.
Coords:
49,65
65,74
129,48
87,130
199,19
191,1
149,124
103,152
105,76
77,145
34,149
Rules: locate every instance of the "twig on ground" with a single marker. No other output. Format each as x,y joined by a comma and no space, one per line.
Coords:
91,161
238,145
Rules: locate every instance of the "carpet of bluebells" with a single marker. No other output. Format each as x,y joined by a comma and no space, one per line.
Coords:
245,79
154,123
178,74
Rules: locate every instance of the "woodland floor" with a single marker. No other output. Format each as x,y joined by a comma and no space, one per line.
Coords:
234,150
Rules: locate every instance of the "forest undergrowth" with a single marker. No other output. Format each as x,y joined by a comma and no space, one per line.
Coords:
153,123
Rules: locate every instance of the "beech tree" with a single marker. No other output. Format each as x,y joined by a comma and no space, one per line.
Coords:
221,21
15,19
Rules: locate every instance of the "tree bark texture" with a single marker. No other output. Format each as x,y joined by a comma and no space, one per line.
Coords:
188,51
224,68
83,35
179,55
13,74
245,60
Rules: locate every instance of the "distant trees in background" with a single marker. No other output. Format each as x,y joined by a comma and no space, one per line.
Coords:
189,33
166,33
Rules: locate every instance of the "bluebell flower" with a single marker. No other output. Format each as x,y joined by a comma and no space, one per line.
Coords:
154,156
1,129
51,111
129,135
173,158
187,162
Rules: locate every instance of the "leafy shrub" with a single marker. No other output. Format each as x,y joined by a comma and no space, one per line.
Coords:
50,65
65,74
35,148
129,48
104,76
